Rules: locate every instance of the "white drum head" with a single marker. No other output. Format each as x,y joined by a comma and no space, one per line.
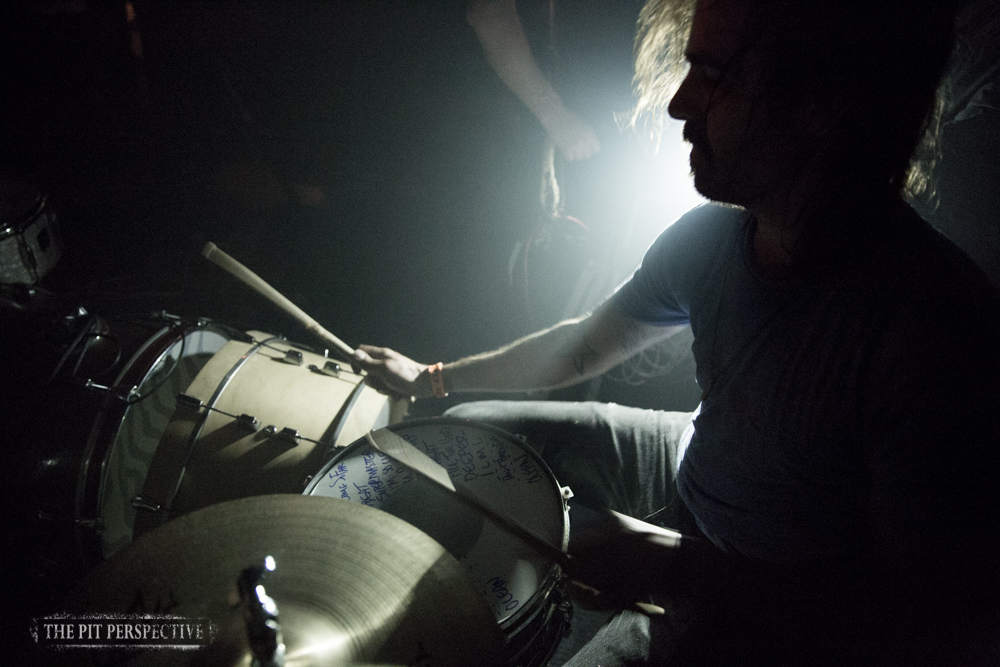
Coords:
499,469
141,428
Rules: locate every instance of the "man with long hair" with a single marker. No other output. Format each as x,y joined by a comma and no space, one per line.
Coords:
839,470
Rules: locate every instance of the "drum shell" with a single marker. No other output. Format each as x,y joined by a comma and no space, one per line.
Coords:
229,462
91,471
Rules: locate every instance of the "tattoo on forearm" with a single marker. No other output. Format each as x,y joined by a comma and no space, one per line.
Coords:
631,341
580,360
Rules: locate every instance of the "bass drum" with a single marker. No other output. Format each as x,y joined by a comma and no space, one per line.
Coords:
523,589
258,419
158,404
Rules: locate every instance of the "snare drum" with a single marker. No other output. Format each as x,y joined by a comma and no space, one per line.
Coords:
176,415
29,238
523,588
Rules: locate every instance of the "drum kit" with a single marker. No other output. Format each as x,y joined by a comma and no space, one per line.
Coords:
190,468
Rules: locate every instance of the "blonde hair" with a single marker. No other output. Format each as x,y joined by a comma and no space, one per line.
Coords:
660,66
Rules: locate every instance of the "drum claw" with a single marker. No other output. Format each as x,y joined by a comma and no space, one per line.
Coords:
293,357
329,368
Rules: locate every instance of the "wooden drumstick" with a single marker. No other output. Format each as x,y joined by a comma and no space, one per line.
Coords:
257,284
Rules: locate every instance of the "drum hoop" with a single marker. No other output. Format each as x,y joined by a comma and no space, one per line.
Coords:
109,418
341,416
552,577
20,223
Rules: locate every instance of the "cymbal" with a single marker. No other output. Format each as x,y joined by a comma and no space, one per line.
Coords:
352,585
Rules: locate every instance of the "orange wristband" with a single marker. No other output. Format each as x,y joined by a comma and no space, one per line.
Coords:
437,380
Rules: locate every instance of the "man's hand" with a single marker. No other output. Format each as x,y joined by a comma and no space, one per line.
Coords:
391,373
574,138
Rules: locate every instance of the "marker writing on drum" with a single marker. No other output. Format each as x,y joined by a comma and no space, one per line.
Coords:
396,447
399,449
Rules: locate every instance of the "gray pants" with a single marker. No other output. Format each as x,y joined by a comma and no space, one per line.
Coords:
612,457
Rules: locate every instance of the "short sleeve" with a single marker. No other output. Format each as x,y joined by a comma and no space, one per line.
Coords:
662,289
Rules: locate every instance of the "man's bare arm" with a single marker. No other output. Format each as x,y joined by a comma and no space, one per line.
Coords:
565,354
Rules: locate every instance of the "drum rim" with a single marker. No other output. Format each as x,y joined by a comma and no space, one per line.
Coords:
548,584
18,224
108,421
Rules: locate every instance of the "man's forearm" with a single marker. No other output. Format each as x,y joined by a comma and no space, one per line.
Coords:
557,357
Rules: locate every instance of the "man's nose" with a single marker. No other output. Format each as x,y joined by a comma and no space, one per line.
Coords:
683,105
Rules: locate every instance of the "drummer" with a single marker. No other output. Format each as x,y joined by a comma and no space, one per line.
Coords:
842,459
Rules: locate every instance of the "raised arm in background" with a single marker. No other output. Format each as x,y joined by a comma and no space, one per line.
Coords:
501,34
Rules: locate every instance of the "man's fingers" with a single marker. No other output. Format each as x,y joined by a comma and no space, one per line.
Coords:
376,352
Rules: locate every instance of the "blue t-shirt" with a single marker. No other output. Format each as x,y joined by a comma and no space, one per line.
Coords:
839,410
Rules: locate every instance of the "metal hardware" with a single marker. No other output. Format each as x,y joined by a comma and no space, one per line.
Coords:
566,492
188,401
306,481
289,435
293,357
131,396
261,615
330,368
145,504
244,421
248,422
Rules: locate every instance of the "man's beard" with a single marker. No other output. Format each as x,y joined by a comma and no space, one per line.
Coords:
697,136
706,180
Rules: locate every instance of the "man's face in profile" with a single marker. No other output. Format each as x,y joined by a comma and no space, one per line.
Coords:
744,151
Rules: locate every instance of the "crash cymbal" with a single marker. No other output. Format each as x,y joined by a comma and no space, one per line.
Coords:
352,585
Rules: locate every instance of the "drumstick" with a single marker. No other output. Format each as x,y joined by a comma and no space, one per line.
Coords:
212,253
395,447
399,449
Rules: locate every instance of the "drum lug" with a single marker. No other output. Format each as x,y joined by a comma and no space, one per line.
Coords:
244,421
329,368
293,357
289,435
248,422
566,492
141,503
